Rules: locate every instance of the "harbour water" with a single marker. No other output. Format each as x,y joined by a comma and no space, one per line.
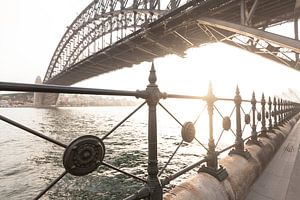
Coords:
28,164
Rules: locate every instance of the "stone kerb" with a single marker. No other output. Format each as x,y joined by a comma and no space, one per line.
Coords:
242,172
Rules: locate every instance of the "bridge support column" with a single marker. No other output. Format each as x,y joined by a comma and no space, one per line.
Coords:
38,97
44,99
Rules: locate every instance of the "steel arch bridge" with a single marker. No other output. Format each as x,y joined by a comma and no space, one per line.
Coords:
112,34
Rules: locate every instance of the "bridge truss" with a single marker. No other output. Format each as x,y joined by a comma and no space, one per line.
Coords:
109,35
101,24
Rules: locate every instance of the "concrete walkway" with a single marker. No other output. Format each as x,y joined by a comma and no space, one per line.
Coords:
281,179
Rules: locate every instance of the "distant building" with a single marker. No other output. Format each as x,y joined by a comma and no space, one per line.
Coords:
4,103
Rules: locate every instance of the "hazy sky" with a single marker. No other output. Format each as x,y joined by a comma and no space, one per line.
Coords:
30,31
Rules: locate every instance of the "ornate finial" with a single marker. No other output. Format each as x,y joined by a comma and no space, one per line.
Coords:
253,100
263,101
274,101
152,76
270,101
210,89
237,98
237,91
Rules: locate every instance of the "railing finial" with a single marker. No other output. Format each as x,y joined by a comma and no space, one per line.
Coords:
237,91
152,76
212,167
253,139
239,142
263,116
270,115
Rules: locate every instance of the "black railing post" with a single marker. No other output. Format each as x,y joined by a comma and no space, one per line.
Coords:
284,111
212,166
253,139
239,142
279,111
275,112
153,98
263,117
270,115
290,110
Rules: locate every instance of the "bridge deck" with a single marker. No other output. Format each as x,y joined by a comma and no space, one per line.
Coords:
172,34
281,179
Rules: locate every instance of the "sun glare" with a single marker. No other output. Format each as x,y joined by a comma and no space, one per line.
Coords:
223,65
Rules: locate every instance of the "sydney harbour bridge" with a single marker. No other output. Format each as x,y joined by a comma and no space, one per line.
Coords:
112,34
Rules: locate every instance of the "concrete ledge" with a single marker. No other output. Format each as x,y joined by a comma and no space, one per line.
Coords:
242,172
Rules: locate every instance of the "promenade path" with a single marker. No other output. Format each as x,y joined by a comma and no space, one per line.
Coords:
281,178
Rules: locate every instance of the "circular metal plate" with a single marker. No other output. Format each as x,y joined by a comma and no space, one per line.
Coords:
247,119
188,132
259,117
84,155
226,123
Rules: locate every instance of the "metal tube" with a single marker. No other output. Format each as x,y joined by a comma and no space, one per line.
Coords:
270,114
239,141
243,12
263,116
21,87
152,101
239,148
279,111
179,96
212,166
211,153
275,112
253,139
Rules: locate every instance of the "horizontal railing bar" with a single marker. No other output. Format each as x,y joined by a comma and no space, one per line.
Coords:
23,87
224,99
228,99
249,101
32,131
179,96
177,174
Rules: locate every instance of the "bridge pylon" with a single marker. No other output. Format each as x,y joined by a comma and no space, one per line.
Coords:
44,99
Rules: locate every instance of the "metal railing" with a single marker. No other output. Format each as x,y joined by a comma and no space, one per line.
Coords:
86,153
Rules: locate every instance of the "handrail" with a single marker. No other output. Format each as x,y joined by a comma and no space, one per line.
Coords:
269,114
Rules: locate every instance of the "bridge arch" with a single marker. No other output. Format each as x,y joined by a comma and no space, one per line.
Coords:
99,25
109,35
